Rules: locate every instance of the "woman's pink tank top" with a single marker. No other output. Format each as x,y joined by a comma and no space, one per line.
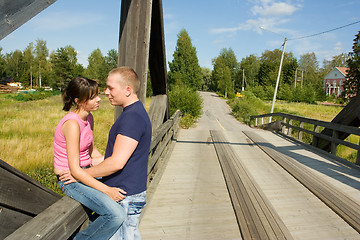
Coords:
86,138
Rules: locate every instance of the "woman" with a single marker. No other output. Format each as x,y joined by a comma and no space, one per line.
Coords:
74,150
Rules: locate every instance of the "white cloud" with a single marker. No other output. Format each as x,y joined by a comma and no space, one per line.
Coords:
274,9
271,15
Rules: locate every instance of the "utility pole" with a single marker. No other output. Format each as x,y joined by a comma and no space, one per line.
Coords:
278,79
242,88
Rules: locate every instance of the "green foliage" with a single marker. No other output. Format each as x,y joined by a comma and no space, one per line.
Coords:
244,107
251,66
64,67
184,68
32,96
352,84
187,121
206,76
45,176
186,99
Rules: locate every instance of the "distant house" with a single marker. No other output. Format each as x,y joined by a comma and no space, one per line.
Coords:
334,81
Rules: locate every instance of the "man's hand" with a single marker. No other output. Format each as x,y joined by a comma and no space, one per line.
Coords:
116,194
66,177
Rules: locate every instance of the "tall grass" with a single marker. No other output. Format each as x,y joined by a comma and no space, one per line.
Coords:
27,134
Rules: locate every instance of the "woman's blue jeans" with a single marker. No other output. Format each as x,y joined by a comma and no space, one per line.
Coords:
111,215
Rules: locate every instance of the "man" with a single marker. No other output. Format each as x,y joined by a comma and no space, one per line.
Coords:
126,156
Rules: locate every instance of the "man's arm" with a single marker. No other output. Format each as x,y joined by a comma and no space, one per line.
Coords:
123,149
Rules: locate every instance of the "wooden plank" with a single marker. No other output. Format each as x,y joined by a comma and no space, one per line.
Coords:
11,220
344,206
13,14
59,221
157,110
23,195
256,217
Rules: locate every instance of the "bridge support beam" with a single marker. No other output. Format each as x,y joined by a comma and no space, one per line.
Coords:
141,45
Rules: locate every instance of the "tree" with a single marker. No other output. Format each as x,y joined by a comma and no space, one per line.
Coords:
336,61
251,67
231,62
352,84
28,64
64,66
97,68
206,79
269,67
221,77
310,65
2,64
14,64
41,54
61,69
184,68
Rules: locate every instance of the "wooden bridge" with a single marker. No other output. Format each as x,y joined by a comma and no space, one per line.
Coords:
220,180
225,180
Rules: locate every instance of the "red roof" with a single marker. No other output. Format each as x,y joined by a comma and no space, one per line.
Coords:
343,70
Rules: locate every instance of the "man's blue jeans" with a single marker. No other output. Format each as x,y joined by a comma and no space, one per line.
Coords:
133,206
111,214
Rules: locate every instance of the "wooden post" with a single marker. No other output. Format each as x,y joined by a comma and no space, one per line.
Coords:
334,145
134,41
290,129
283,127
300,133
315,139
157,56
256,122
358,156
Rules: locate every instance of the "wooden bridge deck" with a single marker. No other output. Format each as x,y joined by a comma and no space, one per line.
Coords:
192,201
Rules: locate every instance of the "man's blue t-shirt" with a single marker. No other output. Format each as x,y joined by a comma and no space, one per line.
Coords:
134,122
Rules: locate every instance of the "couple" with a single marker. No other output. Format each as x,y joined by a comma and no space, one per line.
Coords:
113,186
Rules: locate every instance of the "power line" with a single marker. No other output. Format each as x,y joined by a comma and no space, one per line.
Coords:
312,35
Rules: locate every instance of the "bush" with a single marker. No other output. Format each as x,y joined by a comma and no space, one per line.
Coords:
249,105
32,96
185,99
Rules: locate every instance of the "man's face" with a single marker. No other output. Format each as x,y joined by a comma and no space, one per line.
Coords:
115,91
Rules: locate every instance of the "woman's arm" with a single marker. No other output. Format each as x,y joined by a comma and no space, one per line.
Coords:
71,131
96,156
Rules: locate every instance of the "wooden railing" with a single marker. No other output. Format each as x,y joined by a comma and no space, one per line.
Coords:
287,123
66,216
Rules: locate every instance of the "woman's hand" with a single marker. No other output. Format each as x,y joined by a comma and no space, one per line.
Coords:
116,194
66,177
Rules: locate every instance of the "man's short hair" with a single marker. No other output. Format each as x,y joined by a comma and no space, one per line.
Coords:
129,76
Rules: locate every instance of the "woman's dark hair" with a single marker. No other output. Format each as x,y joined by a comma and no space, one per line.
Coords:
81,88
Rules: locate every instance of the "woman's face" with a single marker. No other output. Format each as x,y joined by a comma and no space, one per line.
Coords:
92,104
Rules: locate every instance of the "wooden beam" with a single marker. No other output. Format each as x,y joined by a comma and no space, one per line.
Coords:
157,110
14,13
350,116
134,41
59,221
21,198
157,60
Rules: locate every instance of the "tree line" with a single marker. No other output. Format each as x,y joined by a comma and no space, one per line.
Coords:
36,67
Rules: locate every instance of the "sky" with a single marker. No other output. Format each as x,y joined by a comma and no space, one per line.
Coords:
245,26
